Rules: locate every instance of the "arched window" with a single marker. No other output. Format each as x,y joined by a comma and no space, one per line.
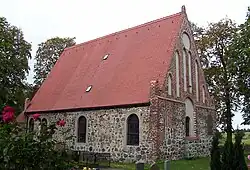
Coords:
187,126
184,70
169,84
203,94
44,124
189,72
82,129
177,74
189,109
209,125
133,130
31,124
39,122
197,80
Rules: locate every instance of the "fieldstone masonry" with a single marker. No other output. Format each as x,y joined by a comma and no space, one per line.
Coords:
162,122
106,132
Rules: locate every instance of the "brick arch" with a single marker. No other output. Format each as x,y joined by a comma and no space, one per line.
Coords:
189,112
170,84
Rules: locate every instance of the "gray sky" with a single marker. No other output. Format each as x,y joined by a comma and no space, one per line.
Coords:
89,19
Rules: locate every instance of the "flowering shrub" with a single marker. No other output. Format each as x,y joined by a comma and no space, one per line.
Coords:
22,149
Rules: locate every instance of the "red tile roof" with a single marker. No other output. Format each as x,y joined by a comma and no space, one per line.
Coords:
137,56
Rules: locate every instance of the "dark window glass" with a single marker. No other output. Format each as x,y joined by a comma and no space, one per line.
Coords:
44,124
133,130
187,124
31,125
82,126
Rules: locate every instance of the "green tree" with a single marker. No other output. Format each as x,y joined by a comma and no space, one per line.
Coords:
239,162
214,48
215,162
47,54
241,51
14,56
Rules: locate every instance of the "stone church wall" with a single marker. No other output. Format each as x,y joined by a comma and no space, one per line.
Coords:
174,144
106,132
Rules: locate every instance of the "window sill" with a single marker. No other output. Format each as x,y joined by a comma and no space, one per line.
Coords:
192,138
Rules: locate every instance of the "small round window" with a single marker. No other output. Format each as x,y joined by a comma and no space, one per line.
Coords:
186,41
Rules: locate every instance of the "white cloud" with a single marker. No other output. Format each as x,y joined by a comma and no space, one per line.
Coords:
86,20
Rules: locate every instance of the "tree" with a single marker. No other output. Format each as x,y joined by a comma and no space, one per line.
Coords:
14,55
241,51
239,162
219,68
215,162
47,54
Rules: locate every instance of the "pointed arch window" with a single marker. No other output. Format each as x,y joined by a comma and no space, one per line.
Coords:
189,118
133,130
169,84
189,72
177,67
197,80
184,70
31,125
82,129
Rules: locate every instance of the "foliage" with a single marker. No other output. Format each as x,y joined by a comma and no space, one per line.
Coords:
214,48
241,51
215,162
47,54
14,55
22,149
239,162
227,156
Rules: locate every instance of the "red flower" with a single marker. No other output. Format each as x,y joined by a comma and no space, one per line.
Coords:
61,123
7,109
8,117
36,116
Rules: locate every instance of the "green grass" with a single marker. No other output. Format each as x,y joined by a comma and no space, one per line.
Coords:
245,140
196,164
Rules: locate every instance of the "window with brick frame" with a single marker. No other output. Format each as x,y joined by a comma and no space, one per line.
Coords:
82,129
189,118
31,125
189,72
185,69
177,70
197,80
133,130
169,84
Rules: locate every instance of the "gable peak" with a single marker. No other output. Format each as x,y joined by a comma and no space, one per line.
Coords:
183,9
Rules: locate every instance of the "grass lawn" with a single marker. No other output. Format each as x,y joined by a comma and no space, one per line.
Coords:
245,140
197,164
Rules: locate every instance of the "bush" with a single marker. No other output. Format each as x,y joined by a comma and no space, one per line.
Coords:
227,156
22,149
239,162
215,162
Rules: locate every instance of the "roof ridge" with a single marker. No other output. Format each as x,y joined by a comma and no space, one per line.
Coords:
125,30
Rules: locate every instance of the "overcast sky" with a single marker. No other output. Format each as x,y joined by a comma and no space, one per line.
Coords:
89,19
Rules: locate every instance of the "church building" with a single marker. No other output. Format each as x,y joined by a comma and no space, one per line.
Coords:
138,94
